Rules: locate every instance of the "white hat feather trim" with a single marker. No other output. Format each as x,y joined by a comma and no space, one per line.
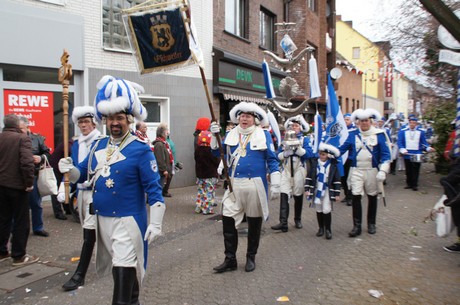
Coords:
298,119
244,107
369,113
332,150
117,95
83,112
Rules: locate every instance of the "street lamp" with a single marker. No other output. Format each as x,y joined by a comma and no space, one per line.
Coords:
365,85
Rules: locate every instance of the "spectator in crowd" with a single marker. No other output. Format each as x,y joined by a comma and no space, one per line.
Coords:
141,132
206,173
173,166
164,156
451,184
16,181
40,152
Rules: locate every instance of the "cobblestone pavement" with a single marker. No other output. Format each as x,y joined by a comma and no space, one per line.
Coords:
404,260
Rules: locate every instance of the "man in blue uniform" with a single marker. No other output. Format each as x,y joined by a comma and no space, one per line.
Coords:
294,154
370,157
250,155
412,142
84,117
122,170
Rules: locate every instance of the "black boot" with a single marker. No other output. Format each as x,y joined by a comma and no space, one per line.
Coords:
78,279
124,279
357,216
254,226
298,203
371,214
327,224
135,293
319,216
57,208
231,245
284,213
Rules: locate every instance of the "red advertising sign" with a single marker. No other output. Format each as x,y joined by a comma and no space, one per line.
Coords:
37,107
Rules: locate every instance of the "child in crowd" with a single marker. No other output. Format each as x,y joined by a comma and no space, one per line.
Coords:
322,186
206,172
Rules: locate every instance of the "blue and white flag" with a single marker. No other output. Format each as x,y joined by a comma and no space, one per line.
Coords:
269,91
318,132
336,129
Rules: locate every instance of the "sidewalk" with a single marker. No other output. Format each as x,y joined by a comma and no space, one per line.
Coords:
404,260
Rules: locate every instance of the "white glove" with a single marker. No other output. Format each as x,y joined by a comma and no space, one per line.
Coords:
61,197
300,151
214,128
288,153
220,169
157,212
65,165
275,181
381,176
403,151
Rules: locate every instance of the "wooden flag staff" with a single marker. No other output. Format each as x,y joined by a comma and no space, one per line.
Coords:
64,76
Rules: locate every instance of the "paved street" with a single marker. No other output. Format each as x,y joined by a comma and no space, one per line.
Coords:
404,260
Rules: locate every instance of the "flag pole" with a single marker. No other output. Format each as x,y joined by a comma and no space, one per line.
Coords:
64,76
187,22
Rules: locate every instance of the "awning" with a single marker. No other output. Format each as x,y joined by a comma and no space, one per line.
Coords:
247,96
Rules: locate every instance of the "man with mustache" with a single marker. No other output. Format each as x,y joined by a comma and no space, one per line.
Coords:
122,171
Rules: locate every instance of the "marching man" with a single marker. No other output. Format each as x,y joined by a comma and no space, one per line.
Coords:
122,170
294,152
370,156
85,118
250,155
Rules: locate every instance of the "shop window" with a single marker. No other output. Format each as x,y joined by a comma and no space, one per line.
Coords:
113,31
235,17
267,29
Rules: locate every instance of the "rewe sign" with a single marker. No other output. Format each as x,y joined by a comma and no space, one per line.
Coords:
37,107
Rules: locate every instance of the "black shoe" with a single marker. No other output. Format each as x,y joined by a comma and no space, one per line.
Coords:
415,188
320,232
250,263
356,231
73,283
167,195
371,229
41,233
328,234
281,226
229,264
60,216
349,202
455,248
298,224
407,187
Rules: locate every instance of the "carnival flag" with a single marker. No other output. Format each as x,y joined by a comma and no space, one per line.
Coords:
269,91
318,132
336,129
315,91
162,38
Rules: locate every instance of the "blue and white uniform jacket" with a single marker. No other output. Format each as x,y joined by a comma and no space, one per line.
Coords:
376,143
412,142
259,157
121,183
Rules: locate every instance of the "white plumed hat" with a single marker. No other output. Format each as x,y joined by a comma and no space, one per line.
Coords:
332,150
364,114
251,108
117,95
299,119
83,112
